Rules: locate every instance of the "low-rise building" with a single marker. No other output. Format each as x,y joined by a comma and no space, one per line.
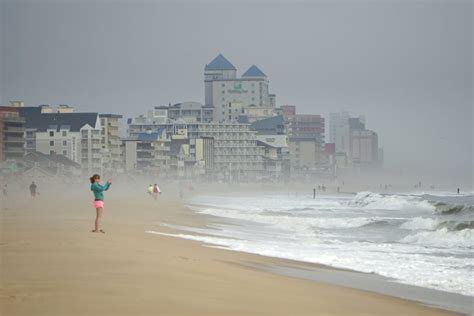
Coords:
76,136
276,156
190,112
148,152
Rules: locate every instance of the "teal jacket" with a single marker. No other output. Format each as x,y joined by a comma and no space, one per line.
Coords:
99,189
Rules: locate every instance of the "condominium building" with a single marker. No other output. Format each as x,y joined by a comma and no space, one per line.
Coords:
341,124
305,154
190,112
77,136
287,111
364,147
223,89
237,157
148,152
12,134
307,126
276,156
110,140
187,112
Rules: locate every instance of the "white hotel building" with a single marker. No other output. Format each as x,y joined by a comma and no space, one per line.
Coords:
231,96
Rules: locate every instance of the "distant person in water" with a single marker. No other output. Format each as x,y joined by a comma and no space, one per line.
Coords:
98,191
458,190
156,191
33,187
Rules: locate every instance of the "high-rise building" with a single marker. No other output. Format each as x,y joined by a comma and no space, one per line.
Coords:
364,148
339,132
307,126
341,125
110,140
12,134
287,111
306,155
237,156
223,89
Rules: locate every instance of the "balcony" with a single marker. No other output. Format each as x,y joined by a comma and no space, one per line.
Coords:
14,140
13,119
12,129
14,150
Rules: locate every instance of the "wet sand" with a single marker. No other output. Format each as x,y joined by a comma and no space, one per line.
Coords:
52,264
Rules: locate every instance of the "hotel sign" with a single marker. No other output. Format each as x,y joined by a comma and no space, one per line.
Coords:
237,88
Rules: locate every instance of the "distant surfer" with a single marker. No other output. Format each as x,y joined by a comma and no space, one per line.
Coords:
98,191
33,188
459,190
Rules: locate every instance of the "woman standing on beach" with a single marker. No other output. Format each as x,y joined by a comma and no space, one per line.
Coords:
98,191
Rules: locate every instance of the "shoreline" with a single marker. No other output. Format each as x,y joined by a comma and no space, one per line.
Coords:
53,265
318,272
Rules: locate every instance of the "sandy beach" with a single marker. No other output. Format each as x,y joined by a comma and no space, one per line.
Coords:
52,264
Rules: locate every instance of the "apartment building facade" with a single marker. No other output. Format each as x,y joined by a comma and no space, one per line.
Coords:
222,89
12,134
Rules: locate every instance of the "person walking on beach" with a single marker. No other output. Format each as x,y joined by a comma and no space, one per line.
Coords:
33,187
5,190
98,191
149,190
156,191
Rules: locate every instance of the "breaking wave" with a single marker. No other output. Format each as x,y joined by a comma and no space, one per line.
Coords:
371,200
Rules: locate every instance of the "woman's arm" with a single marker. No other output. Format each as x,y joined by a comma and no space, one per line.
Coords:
107,185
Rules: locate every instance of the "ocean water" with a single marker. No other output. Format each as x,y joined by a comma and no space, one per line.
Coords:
420,239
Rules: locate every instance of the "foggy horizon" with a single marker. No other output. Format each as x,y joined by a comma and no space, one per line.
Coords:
407,67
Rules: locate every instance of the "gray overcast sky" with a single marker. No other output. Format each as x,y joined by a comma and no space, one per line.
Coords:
405,65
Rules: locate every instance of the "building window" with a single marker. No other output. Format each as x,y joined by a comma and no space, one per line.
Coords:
51,143
253,91
51,134
223,99
223,91
253,99
64,152
223,85
51,152
64,133
64,142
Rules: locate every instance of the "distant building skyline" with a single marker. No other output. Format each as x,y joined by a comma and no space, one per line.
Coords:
409,80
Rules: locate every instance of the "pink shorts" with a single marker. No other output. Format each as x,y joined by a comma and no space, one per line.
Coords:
99,204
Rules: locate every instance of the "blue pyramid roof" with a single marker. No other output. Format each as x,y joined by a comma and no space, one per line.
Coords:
254,71
220,63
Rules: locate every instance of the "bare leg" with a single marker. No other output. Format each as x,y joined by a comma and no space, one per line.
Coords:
97,218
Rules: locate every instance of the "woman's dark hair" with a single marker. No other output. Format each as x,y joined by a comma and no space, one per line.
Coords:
96,176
